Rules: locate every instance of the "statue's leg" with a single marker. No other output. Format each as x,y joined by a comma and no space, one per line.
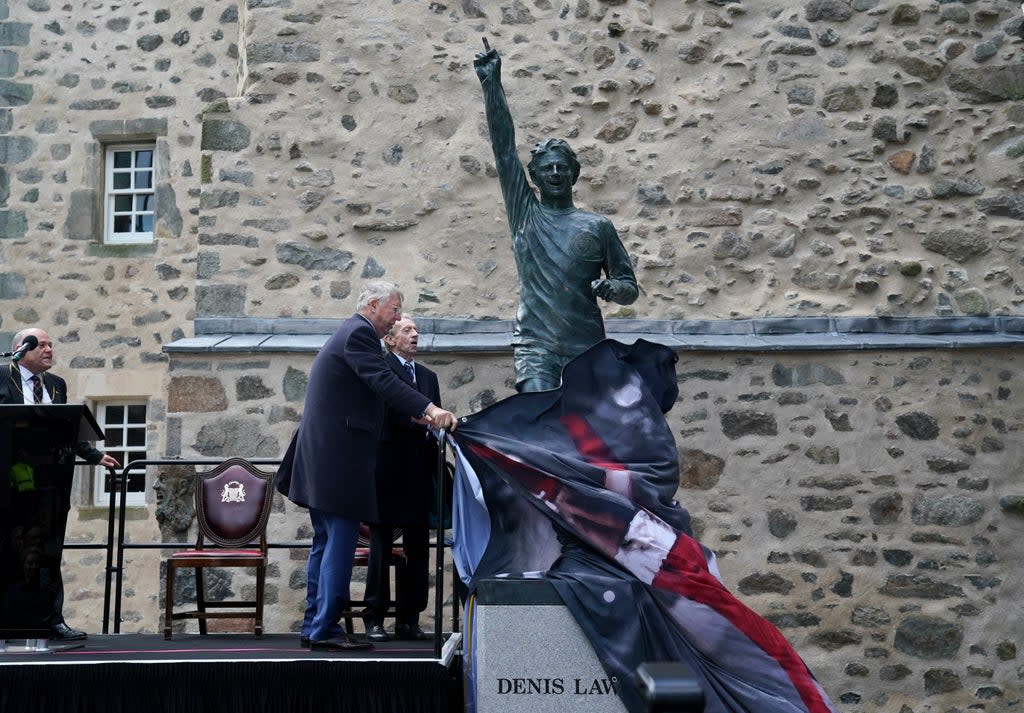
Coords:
537,369
536,383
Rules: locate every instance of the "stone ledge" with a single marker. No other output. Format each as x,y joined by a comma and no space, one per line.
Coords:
111,250
444,335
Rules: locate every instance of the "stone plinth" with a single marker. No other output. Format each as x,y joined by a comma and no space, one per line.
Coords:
527,654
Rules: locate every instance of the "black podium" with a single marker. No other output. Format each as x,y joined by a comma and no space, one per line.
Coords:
37,460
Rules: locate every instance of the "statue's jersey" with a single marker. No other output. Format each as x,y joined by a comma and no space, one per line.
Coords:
558,255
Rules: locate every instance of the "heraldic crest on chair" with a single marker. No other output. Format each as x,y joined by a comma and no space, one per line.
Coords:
232,504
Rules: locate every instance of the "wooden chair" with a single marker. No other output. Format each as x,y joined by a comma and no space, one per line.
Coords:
232,504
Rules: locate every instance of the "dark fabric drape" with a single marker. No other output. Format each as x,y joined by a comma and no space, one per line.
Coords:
580,482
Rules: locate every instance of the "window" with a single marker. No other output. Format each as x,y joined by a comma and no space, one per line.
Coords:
124,425
130,196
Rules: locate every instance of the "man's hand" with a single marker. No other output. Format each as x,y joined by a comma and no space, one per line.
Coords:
109,462
439,418
488,65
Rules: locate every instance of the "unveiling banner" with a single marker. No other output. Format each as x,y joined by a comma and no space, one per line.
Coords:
578,484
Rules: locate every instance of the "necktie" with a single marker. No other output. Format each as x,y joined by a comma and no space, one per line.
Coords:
411,371
37,388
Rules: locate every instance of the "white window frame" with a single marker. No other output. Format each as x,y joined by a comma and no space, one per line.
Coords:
113,196
123,452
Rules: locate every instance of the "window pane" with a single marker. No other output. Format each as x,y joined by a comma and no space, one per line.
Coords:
137,477
136,437
144,224
122,159
122,204
143,159
137,413
114,414
115,437
122,224
107,485
122,180
144,202
143,179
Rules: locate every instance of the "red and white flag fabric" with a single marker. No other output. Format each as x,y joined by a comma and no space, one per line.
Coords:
578,484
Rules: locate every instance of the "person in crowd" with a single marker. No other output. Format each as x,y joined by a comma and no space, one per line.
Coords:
330,467
30,381
406,466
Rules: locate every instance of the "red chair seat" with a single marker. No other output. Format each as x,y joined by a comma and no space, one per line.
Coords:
216,553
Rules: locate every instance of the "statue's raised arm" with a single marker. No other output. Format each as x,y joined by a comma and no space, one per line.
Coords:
514,187
566,257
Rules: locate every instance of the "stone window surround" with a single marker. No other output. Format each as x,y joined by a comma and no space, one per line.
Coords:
228,335
105,133
100,497
95,387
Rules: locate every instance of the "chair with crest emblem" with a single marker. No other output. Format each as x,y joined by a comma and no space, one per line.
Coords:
232,504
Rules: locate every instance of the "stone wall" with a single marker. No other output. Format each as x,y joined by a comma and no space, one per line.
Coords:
868,503
75,78
781,158
855,157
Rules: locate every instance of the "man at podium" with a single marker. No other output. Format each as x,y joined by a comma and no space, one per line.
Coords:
28,381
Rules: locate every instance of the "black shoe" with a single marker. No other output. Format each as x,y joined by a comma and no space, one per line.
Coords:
63,632
411,632
340,643
304,642
375,632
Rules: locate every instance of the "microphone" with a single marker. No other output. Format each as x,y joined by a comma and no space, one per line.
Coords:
30,343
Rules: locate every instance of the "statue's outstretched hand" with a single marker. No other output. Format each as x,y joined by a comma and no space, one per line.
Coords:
488,65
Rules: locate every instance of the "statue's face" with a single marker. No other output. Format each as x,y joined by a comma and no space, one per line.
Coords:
553,175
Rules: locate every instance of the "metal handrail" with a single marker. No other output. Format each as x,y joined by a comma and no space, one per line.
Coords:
442,441
117,571
116,545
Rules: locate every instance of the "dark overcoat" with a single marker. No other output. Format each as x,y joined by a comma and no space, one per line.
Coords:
335,449
407,461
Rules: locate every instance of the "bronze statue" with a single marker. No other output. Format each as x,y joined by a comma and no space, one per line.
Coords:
560,250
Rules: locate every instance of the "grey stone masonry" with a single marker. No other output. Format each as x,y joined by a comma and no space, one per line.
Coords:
822,200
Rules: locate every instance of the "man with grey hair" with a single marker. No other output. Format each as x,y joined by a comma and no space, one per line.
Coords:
560,250
29,381
330,467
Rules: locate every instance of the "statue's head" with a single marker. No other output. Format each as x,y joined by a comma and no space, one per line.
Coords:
557,146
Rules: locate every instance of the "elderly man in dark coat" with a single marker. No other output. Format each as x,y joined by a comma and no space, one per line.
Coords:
29,380
331,470
406,462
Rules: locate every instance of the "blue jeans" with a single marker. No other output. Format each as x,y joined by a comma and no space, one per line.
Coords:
328,573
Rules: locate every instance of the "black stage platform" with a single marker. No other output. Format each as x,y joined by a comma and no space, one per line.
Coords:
231,672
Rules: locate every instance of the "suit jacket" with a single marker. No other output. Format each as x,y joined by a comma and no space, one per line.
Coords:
11,393
335,453
407,459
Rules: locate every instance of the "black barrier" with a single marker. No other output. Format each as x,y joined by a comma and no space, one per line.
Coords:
669,687
116,545
115,541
